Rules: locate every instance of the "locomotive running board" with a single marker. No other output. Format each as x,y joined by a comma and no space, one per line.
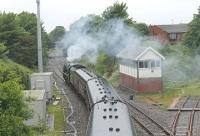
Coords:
183,109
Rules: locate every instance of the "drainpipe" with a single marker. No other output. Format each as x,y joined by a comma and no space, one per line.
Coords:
161,65
137,63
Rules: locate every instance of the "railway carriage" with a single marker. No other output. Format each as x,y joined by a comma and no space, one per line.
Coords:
109,115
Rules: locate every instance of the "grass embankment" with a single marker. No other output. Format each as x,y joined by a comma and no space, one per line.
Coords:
171,92
57,110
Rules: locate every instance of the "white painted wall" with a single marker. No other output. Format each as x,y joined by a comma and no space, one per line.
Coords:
143,72
150,55
131,71
150,72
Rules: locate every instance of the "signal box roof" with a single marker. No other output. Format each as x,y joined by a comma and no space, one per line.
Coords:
137,53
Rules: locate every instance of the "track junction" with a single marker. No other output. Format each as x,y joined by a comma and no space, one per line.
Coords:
183,120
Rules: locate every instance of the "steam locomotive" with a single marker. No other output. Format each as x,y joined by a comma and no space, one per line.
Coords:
109,116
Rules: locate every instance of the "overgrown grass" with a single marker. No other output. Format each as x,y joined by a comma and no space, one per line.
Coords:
57,110
170,93
55,92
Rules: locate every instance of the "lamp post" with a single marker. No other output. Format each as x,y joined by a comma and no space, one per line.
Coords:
39,39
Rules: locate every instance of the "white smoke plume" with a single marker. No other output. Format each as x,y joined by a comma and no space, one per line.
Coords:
82,42
111,38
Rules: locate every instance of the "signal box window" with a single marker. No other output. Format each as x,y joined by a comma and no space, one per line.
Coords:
157,63
153,63
143,64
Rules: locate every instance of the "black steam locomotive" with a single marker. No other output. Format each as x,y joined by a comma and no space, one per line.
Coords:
109,115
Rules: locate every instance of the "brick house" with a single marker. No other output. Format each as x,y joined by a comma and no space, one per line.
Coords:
168,34
141,69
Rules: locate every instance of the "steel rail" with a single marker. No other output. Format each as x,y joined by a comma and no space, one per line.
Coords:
143,126
74,132
71,123
175,121
166,131
189,132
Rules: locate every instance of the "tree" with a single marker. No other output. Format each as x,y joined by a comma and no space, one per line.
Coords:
105,64
13,109
10,32
142,28
192,36
18,32
118,11
56,34
3,51
28,21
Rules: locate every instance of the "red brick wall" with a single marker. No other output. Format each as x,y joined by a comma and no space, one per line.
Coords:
179,37
128,81
163,36
150,85
156,32
142,84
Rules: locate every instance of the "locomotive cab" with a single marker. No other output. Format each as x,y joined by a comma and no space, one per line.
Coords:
68,69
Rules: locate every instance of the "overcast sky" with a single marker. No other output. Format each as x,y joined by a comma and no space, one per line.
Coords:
65,12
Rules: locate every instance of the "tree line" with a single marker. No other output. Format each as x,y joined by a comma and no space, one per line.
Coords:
18,43
18,38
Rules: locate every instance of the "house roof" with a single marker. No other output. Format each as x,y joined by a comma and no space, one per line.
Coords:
35,94
175,28
136,53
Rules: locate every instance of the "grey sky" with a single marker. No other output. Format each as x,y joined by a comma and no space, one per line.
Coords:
65,12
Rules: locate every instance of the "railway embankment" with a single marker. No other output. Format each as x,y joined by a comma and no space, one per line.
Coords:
171,94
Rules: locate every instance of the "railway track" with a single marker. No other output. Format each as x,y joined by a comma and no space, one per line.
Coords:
183,122
150,125
75,111
68,109
69,115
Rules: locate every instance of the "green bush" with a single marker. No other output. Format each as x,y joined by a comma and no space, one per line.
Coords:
13,109
20,71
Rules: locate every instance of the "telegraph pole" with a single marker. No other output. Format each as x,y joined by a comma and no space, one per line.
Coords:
39,38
